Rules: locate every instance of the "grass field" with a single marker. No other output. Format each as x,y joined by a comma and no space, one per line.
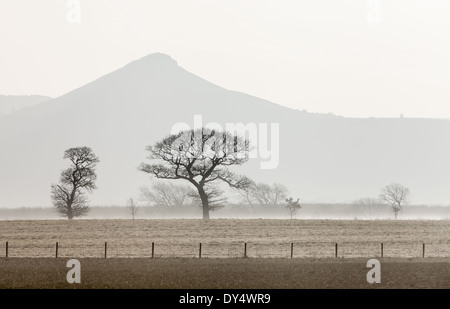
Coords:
185,273
224,238
31,262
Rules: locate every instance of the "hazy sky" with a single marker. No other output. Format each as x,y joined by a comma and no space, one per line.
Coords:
321,55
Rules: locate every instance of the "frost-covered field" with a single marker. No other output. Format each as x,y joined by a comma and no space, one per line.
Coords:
225,238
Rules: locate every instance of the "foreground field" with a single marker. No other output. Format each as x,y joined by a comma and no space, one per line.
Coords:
224,273
225,238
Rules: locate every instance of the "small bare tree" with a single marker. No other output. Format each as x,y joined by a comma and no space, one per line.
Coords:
166,195
69,196
293,206
372,207
132,207
264,195
395,195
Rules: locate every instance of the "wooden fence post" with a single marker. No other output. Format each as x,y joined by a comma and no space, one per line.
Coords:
106,246
292,250
382,249
245,250
56,253
336,250
200,251
153,250
7,249
423,251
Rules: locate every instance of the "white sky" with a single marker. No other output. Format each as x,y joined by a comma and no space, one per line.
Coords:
319,55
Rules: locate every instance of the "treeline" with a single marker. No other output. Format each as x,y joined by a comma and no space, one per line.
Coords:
199,161
343,211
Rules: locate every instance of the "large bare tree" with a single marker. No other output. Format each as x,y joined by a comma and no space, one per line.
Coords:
200,157
69,196
395,195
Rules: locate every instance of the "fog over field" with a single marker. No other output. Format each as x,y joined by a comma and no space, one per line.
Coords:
308,212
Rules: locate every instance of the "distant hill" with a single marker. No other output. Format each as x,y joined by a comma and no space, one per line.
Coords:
11,103
323,158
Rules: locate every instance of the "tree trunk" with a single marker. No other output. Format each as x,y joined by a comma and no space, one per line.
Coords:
396,210
205,202
70,202
69,212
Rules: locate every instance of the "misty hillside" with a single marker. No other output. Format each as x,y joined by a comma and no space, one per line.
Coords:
322,158
12,103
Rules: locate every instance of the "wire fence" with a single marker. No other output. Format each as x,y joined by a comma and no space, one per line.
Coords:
228,250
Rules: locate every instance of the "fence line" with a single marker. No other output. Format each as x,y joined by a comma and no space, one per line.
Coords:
231,250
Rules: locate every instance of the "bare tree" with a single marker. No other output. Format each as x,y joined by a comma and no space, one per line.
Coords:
293,206
132,206
265,195
200,157
69,196
372,207
396,196
167,195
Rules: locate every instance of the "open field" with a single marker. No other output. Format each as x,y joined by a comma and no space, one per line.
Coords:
224,273
224,238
